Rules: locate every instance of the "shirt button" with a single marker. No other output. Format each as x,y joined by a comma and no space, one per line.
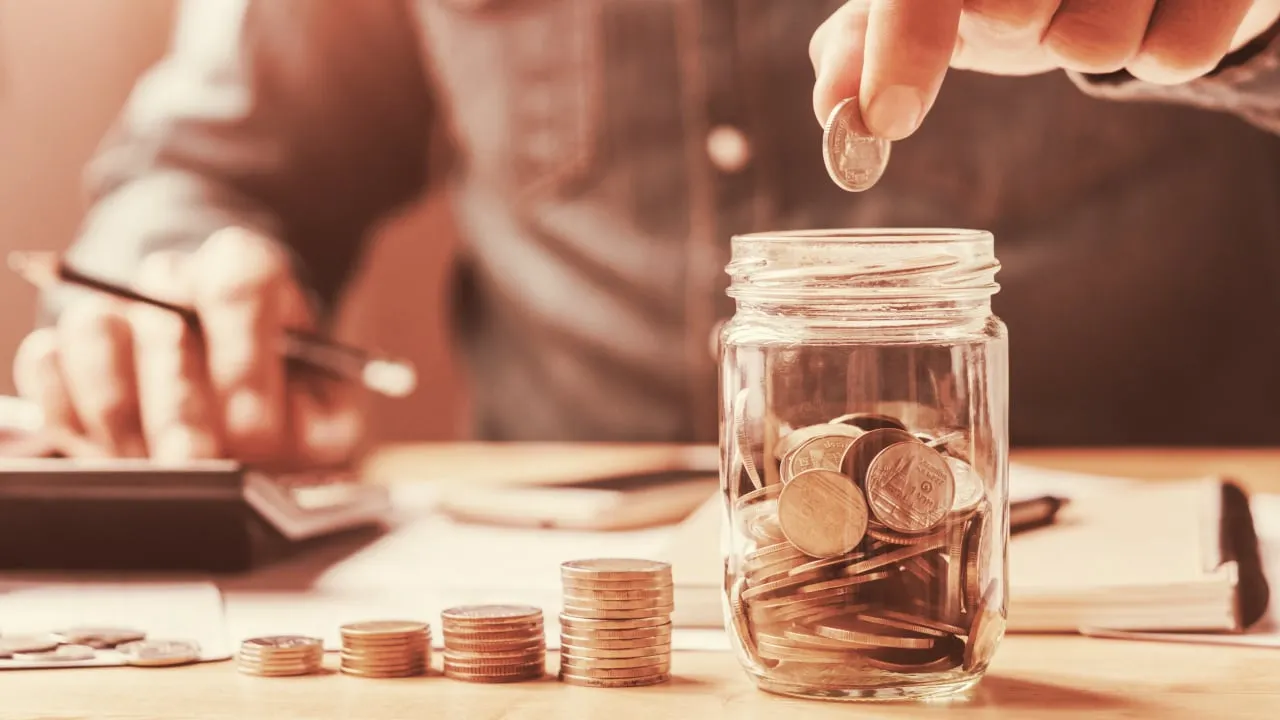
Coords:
728,148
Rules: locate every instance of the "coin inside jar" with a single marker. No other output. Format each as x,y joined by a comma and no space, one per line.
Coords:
822,513
867,447
855,160
910,487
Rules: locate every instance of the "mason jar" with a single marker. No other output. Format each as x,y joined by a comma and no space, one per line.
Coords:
864,442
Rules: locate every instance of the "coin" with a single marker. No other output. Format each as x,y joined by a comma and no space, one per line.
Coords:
11,644
857,632
987,629
491,615
855,160
910,487
99,637
385,648
867,422
969,492
824,452
62,653
869,446
742,439
159,653
494,643
794,439
613,682
975,554
822,513
280,655
616,569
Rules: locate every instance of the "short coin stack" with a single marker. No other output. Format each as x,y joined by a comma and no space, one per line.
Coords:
386,648
494,643
281,655
615,630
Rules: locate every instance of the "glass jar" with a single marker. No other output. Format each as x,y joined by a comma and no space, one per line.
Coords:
864,443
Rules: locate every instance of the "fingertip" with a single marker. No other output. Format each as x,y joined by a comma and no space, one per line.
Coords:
895,112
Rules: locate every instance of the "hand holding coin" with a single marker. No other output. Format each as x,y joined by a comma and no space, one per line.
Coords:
893,55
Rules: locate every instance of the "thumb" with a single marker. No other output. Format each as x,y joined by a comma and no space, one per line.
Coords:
909,45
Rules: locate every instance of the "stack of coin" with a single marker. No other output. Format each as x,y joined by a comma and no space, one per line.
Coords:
870,551
386,648
615,630
494,643
281,655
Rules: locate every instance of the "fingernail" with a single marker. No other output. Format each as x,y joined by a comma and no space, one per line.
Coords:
895,112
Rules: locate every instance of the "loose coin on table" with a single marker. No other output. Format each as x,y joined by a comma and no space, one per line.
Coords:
855,160
11,644
281,655
615,628
99,637
494,643
386,648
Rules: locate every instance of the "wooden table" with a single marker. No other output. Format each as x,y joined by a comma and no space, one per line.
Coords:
1031,677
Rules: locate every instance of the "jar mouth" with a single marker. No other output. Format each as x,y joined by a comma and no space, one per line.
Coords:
871,235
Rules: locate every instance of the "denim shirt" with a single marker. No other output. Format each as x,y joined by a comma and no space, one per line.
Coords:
599,154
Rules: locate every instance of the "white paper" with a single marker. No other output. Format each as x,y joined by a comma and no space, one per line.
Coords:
164,611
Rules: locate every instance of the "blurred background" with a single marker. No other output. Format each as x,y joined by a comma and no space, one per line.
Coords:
66,68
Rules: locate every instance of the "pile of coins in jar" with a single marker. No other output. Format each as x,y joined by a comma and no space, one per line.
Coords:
869,554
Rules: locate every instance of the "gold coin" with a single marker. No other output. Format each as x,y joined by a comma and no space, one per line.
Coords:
975,560
791,653
587,595
910,487
772,553
580,586
893,622
898,554
381,675
491,615
941,658
842,582
621,645
822,513
588,651
824,452
596,624
656,605
757,495
865,449
866,421
790,581
597,663
603,682
987,629
535,674
590,614
885,535
615,569
520,646
931,623
613,668
380,628
856,632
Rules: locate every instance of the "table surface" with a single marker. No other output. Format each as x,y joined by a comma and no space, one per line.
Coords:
1031,676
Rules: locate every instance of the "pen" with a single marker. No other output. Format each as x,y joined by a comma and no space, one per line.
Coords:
387,376
1034,512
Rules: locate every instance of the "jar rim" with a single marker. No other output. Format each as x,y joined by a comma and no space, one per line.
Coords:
873,235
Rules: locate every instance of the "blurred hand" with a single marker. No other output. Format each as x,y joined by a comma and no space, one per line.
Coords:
135,381
893,54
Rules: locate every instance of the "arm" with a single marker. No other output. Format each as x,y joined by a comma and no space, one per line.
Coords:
307,120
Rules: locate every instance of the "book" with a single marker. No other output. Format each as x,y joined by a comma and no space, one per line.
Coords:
1123,555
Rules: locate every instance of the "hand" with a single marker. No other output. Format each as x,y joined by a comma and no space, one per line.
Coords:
892,54
135,381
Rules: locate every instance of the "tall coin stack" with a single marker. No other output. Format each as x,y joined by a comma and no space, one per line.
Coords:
386,648
494,643
615,630
281,655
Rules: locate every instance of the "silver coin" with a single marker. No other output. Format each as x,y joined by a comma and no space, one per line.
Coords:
855,161
99,637
159,653
64,653
282,642
13,644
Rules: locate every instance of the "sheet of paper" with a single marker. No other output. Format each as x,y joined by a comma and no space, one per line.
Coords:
176,611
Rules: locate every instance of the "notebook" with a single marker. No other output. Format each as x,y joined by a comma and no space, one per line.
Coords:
1123,555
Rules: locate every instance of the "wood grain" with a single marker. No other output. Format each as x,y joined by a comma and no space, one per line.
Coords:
1032,677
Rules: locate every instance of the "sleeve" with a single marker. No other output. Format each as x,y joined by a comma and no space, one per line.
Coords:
1246,83
308,120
